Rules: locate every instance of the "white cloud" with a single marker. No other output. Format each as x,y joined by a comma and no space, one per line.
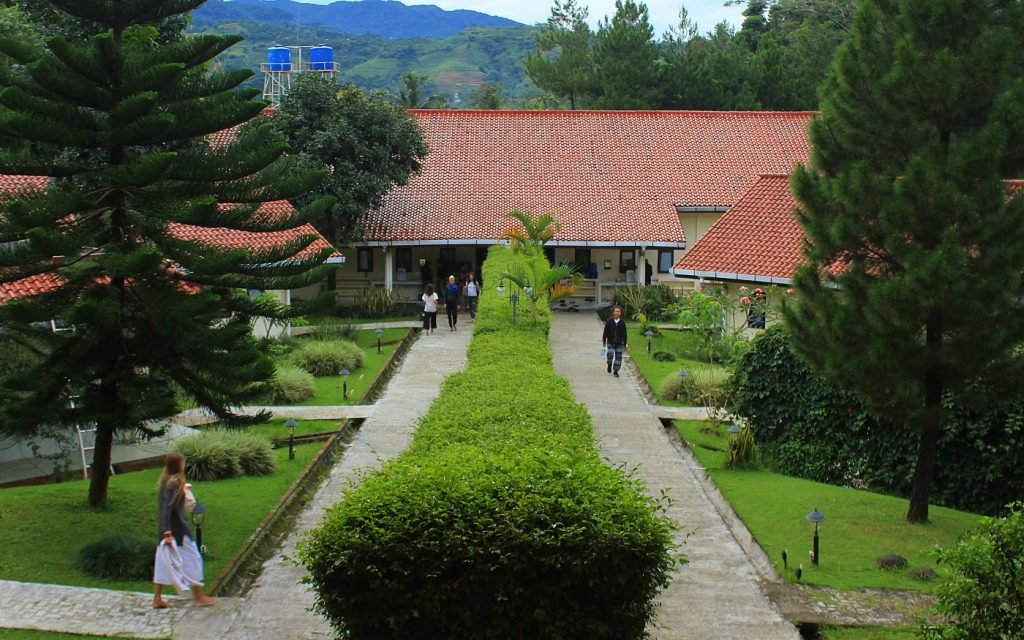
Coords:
663,13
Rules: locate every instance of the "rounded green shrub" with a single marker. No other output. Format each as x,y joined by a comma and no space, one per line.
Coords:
207,458
327,357
223,453
680,388
290,385
118,556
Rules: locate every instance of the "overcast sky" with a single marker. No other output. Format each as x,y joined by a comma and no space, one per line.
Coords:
663,13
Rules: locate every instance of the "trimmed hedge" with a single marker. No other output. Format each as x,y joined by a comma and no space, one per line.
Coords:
290,385
500,520
327,357
810,428
119,556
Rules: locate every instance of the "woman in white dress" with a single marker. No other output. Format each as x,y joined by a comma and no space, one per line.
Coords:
178,561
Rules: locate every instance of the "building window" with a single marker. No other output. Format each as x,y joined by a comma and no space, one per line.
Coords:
403,258
627,260
364,259
581,260
665,260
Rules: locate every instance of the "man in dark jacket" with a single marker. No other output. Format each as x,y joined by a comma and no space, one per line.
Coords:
614,340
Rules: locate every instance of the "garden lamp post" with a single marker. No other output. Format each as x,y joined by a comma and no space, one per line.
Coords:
734,430
649,335
378,332
344,383
817,518
290,424
501,288
514,300
683,373
527,288
198,517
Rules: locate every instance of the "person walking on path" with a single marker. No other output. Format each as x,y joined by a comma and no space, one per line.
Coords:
451,303
614,340
471,293
178,562
429,309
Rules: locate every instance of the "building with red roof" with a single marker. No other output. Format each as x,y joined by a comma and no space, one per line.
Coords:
629,188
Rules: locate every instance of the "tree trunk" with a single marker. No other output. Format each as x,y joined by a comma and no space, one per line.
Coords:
100,476
931,421
332,280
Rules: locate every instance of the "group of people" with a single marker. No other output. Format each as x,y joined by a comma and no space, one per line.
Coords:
455,293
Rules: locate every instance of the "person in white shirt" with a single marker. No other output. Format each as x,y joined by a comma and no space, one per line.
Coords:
429,310
471,294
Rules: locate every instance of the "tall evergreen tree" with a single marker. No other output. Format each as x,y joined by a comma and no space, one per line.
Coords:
563,61
625,58
911,292
150,314
369,143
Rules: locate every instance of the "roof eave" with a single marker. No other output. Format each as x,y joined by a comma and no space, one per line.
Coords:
694,274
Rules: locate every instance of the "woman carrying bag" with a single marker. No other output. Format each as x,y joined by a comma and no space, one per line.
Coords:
178,562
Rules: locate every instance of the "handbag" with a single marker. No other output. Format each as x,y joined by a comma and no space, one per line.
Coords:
190,499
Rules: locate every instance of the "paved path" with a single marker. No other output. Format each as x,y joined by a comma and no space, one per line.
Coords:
276,607
718,594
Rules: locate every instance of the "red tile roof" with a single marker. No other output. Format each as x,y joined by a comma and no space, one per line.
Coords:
215,237
30,286
220,237
757,240
10,185
607,176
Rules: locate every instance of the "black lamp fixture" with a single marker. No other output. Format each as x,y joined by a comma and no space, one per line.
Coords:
501,288
290,424
344,373
527,288
735,429
817,518
198,516
514,300
649,334
683,373
378,331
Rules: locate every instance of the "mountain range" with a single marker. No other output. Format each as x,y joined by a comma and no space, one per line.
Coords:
456,51
387,18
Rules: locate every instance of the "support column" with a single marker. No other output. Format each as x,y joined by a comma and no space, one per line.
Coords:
389,268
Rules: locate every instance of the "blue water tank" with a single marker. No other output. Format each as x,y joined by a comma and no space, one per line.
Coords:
279,58
321,58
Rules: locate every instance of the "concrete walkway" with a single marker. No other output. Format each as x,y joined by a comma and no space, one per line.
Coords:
718,594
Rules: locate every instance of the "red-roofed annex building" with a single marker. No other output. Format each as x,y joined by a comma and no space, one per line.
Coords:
215,238
629,188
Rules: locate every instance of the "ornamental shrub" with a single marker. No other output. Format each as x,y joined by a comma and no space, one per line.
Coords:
983,596
327,357
118,556
812,429
216,454
290,385
500,520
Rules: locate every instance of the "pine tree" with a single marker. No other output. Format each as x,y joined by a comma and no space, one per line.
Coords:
625,57
151,315
911,292
563,61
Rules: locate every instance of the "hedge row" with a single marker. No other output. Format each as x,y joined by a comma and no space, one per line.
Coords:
500,520
815,430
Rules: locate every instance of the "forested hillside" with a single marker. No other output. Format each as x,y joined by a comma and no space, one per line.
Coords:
454,66
388,19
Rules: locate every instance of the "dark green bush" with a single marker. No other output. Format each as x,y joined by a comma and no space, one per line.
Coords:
119,556
290,385
500,520
327,357
983,597
810,428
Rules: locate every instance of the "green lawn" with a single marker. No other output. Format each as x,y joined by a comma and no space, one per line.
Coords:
44,526
329,389
655,371
868,633
860,527
21,634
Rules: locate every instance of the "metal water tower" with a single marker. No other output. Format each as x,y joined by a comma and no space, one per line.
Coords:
285,61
